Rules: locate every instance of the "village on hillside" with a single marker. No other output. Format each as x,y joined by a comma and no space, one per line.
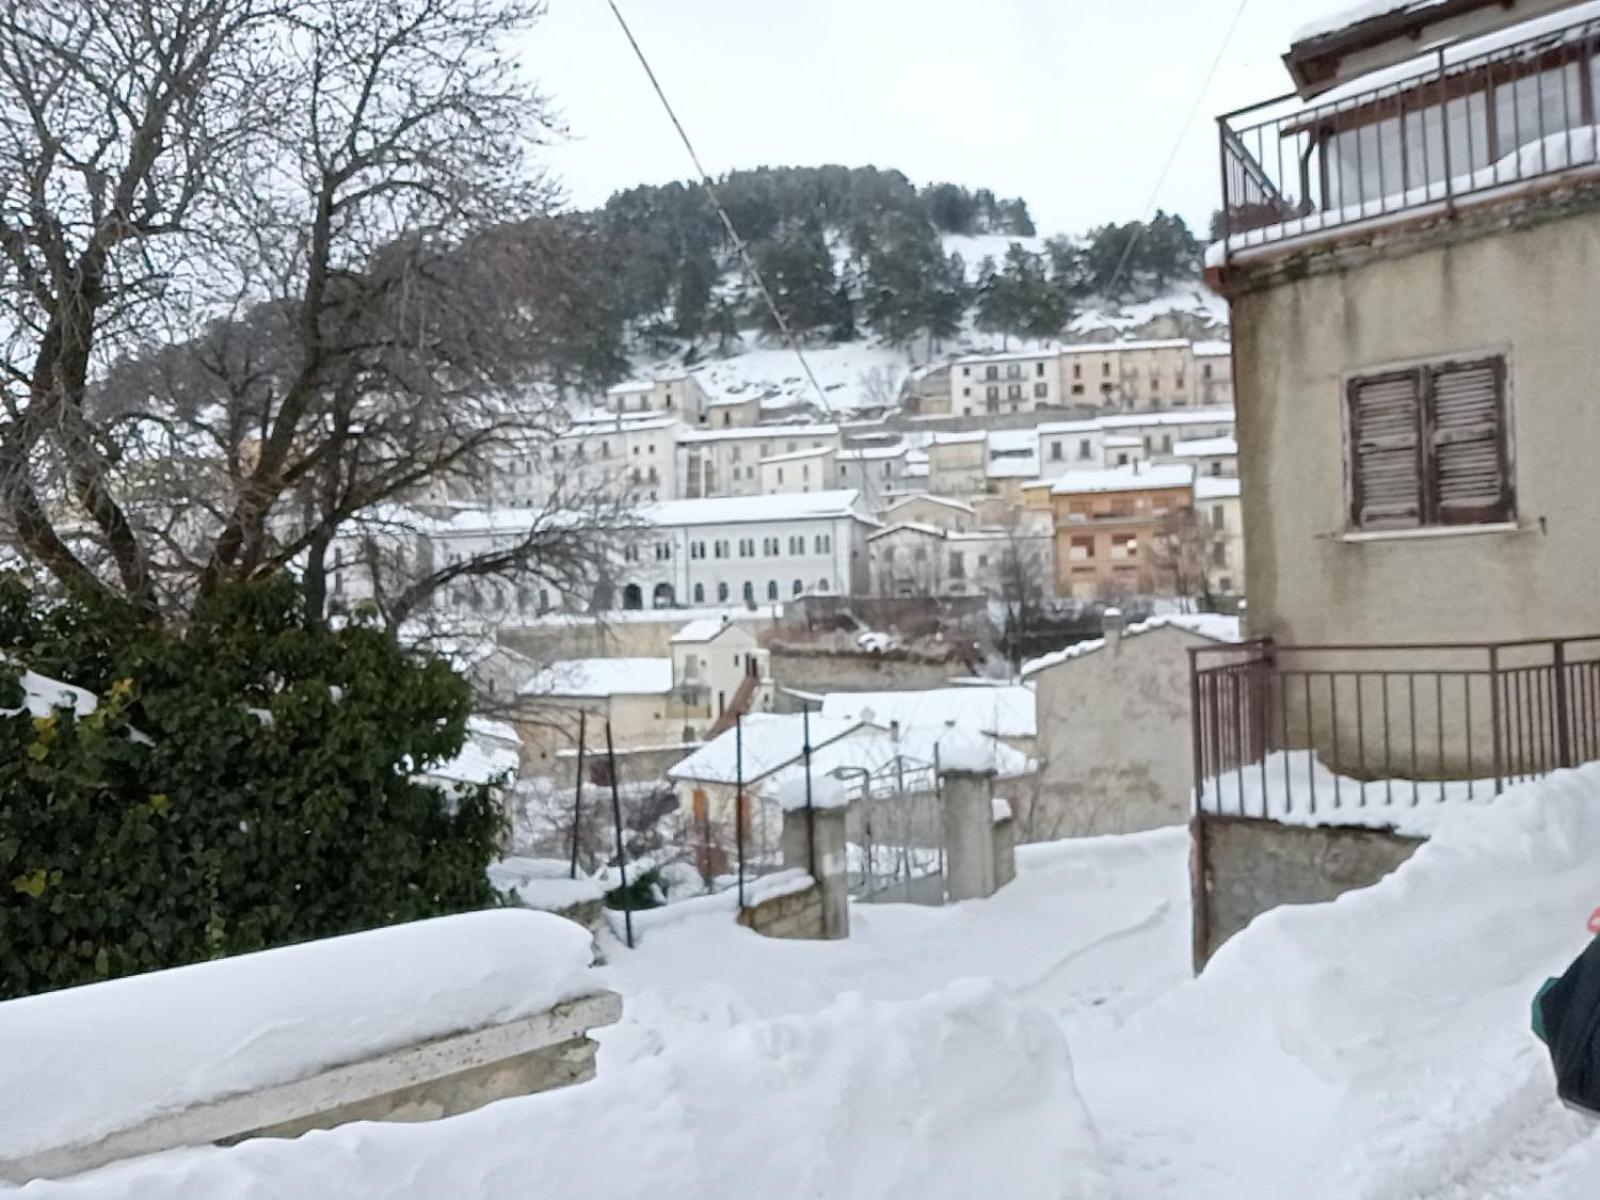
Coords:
792,683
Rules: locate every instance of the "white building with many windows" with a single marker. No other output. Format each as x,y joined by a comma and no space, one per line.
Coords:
1005,383
727,461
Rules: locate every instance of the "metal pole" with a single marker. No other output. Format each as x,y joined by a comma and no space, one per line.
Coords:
738,797
1495,717
577,796
811,817
616,814
1563,736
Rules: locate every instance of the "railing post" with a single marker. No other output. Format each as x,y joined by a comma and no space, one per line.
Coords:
1495,719
1197,745
1444,136
1227,202
1563,734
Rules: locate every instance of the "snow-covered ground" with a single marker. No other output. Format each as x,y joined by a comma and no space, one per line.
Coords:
1374,1048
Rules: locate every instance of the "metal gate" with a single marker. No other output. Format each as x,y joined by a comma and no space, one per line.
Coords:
896,834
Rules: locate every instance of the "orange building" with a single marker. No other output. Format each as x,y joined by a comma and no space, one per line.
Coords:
1105,525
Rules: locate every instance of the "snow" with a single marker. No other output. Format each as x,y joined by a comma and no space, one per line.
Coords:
744,510
477,763
88,1061
1213,349
1215,626
1193,416
1336,22
798,455
841,1102
770,741
1000,809
1123,479
1191,300
1205,447
758,432
824,791
1214,487
772,374
41,696
543,883
1005,711
701,630
599,677
967,753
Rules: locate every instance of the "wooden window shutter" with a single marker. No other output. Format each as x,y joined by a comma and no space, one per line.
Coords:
1469,481
1386,471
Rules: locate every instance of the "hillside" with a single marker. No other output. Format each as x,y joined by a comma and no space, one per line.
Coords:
875,277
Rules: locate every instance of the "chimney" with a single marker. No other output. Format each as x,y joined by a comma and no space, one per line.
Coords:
1111,625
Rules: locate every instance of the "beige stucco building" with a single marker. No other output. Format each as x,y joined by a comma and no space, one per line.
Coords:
1105,524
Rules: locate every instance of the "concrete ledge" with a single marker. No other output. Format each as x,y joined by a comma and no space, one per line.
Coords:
1240,867
437,1078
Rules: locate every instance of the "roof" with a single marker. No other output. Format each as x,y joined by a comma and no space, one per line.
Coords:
1212,626
1205,447
1108,347
600,677
1213,349
730,510
770,741
1006,356
872,453
930,498
1123,479
1188,416
1121,441
912,526
1090,426
1006,711
702,630
960,437
757,432
629,386
478,763
1017,467
796,455
1211,487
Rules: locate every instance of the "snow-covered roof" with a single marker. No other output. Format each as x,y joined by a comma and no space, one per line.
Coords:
1123,479
1213,487
732,510
1004,711
1205,447
1108,347
1213,349
797,455
771,741
960,437
1123,441
1090,426
929,498
617,424
1187,416
907,526
544,883
702,630
968,360
491,730
478,763
630,386
1214,626
1013,440
1020,467
757,432
599,677
874,453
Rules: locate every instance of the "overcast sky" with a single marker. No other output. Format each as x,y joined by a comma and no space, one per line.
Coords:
1071,104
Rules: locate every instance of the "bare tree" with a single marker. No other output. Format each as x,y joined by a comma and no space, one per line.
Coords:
1180,556
269,272
1025,581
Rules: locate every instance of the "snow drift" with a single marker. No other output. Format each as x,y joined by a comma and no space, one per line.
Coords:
965,1093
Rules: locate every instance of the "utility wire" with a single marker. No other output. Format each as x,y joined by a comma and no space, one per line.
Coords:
1177,145
727,221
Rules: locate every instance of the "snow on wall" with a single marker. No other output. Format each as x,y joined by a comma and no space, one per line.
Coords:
968,1092
85,1062
1377,1045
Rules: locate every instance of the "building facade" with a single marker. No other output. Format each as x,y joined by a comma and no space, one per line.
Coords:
1105,525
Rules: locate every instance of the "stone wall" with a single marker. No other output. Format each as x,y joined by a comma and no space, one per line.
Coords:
1005,851
1243,866
789,914
809,669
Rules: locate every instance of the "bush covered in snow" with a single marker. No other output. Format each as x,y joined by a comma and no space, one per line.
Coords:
246,782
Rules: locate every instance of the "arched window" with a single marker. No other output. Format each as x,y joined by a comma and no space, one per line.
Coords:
632,597
772,589
699,593
749,592
822,585
798,587
722,591
662,597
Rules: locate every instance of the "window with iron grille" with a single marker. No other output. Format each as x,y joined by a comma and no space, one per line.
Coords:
1430,446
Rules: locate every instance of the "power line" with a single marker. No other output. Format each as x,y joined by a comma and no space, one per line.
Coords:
727,221
1177,145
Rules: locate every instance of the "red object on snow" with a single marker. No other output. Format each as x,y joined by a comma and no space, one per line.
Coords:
1594,921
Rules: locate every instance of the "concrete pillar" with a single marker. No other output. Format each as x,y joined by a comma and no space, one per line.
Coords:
814,840
969,833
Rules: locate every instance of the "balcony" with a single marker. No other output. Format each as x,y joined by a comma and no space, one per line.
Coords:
1459,127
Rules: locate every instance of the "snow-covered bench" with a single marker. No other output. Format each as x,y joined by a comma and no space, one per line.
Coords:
411,1022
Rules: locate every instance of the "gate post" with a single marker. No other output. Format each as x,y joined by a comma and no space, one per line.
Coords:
968,819
818,834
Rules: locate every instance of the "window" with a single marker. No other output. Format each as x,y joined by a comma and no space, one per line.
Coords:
966,391
772,589
1013,391
1077,370
1038,369
966,370
1219,554
750,598
727,418
747,547
719,549
1219,517
697,550
1014,371
822,585
797,544
1429,446
699,593
780,474
991,372
991,393
1085,449
1040,390
1082,548
1205,370
736,454
823,543
636,451
1055,451
983,561
663,551
1216,466
805,474
1155,383
798,587
722,591
1077,389
958,565
1177,381
630,554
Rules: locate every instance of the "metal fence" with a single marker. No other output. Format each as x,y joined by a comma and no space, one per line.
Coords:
895,833
1456,128
1286,730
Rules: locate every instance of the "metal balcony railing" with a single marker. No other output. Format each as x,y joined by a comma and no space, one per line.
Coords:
1461,125
1291,731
